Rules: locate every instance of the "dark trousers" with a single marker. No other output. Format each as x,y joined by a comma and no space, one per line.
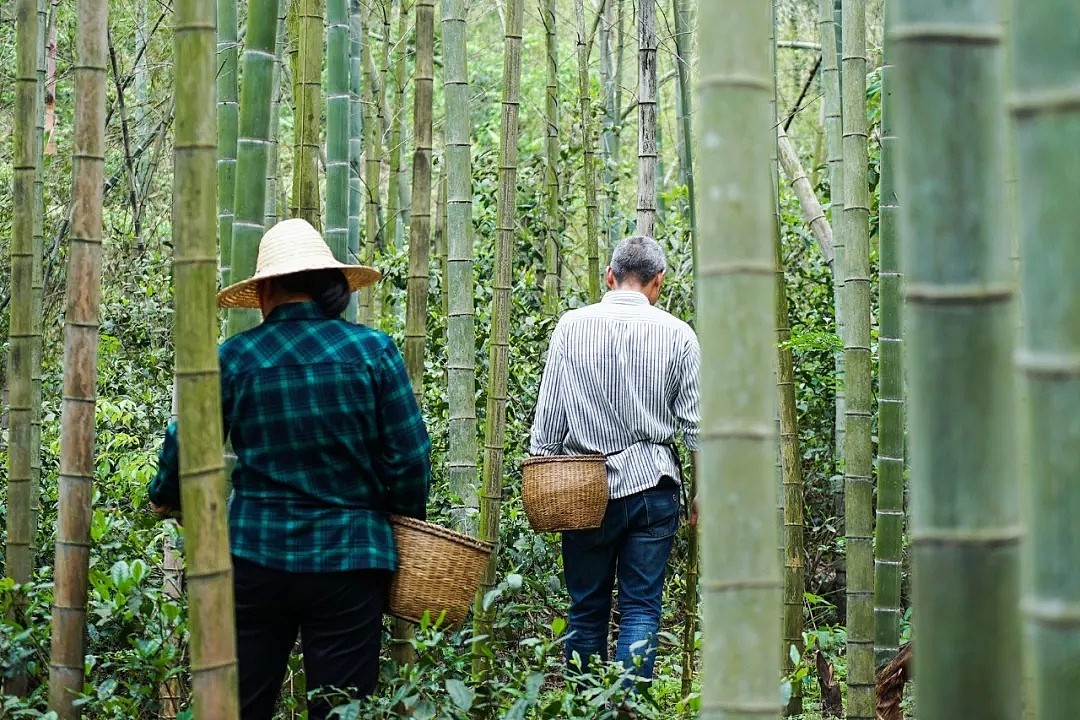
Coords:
338,616
632,545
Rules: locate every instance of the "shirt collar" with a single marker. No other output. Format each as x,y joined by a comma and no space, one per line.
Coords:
296,311
625,297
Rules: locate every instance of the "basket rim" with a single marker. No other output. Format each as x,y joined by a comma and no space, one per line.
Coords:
542,459
441,532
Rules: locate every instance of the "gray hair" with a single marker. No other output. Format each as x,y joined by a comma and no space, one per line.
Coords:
638,258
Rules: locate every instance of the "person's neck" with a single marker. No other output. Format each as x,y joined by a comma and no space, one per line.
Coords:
272,304
629,287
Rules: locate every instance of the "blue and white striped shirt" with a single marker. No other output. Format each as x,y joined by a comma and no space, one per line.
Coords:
621,377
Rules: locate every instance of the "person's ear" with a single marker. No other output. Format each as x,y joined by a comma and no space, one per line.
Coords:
609,278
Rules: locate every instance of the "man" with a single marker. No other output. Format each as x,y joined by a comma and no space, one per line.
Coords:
329,441
622,380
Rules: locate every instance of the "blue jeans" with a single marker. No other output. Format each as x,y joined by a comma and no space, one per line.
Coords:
632,545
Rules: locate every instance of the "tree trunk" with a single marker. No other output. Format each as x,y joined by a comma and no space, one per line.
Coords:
588,145
75,489
736,296
858,446
959,327
461,329
553,228
253,148
307,94
647,155
889,542
1045,74
227,119
214,673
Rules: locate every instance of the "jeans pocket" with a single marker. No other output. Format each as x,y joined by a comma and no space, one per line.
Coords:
662,508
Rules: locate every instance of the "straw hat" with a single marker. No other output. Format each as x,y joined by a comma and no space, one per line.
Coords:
289,247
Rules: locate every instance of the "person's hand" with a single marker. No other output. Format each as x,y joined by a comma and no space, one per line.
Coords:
162,511
693,512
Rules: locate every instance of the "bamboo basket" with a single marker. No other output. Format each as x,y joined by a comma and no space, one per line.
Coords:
565,492
438,570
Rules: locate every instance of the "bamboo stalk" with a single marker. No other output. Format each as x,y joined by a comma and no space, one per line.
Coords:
1046,121
959,327
37,280
337,127
830,78
396,184
356,144
277,94
684,62
416,308
736,295
647,153
554,226
499,341
461,329
889,534
307,92
227,127
253,148
608,134
791,483
372,170
592,241
19,551
75,491
811,208
858,446
202,462
681,12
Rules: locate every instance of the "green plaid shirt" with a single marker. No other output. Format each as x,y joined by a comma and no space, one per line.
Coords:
328,440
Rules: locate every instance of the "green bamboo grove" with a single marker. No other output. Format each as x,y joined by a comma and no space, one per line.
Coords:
959,327
1045,71
490,201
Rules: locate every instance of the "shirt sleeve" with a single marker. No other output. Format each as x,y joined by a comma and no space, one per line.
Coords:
403,461
165,487
687,406
550,425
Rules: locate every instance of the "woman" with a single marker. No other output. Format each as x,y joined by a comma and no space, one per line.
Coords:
328,441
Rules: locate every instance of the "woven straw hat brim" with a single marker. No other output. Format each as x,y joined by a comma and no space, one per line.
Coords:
290,247
245,294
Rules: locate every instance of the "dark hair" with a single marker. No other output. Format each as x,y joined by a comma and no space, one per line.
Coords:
328,288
